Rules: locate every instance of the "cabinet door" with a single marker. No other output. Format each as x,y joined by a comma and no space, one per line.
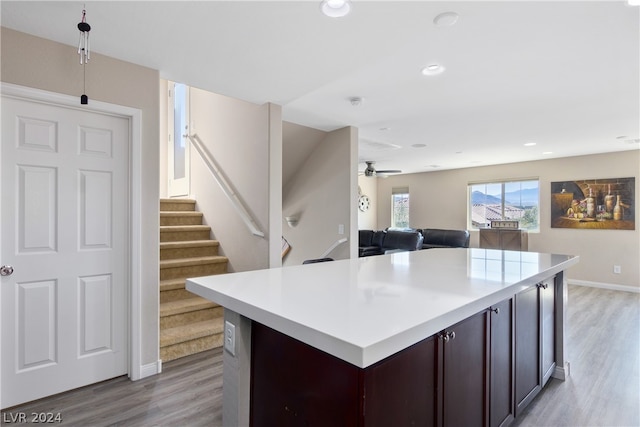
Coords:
401,390
547,314
501,406
527,369
294,384
465,358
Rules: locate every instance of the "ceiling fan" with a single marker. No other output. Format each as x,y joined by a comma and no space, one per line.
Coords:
371,171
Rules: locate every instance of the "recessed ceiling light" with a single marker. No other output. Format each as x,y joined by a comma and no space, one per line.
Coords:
633,2
446,19
385,128
335,8
419,145
434,166
529,144
546,153
458,152
622,137
433,69
356,101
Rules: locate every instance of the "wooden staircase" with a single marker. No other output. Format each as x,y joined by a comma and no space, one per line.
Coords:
188,323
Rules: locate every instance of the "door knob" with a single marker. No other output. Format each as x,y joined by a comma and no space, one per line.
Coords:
6,270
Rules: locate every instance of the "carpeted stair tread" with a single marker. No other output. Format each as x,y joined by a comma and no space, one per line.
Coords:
176,200
182,228
185,305
188,323
172,352
171,284
181,213
180,218
186,262
188,244
190,332
186,205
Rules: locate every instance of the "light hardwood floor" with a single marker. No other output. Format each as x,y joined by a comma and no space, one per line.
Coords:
604,353
603,389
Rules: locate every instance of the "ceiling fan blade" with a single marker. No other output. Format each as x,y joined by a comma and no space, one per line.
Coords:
389,171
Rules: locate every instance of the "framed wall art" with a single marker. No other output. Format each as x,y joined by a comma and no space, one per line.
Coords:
594,204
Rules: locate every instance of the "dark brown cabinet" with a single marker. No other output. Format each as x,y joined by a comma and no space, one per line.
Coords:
501,399
464,359
534,347
295,384
547,291
481,371
401,390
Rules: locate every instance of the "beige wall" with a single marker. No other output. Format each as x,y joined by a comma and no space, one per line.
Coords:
38,63
439,200
322,194
237,135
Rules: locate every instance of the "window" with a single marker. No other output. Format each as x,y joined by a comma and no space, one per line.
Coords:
400,207
517,200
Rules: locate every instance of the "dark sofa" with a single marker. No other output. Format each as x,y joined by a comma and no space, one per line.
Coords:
386,241
438,238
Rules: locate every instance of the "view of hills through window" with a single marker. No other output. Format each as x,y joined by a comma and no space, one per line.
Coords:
511,200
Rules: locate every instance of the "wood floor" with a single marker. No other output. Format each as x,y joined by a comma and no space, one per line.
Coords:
187,393
604,353
603,389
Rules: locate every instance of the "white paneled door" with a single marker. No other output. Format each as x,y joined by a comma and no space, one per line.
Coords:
65,235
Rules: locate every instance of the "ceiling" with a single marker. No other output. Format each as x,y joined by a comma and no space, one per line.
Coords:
562,75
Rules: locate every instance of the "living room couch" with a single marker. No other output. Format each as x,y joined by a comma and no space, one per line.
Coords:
379,242
386,241
439,238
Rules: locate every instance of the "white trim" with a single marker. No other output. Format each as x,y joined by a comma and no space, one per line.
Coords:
561,373
332,247
610,286
150,369
135,191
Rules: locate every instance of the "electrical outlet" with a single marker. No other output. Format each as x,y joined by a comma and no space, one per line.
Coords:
340,228
230,337
617,269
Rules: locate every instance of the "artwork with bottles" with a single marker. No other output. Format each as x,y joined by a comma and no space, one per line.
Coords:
594,204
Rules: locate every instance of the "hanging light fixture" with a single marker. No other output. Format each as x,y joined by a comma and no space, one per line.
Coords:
84,52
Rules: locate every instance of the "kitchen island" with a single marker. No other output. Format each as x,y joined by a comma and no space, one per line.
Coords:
406,337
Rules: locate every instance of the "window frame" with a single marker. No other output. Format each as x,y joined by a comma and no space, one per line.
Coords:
504,184
395,192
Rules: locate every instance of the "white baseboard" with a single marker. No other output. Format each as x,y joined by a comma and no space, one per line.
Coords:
150,369
610,286
562,373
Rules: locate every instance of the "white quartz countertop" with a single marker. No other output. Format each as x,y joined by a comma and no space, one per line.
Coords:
363,310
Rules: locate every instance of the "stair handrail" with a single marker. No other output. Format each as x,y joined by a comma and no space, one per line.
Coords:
332,247
225,186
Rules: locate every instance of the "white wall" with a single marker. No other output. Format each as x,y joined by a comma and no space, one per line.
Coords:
439,200
323,195
237,135
38,63
369,186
